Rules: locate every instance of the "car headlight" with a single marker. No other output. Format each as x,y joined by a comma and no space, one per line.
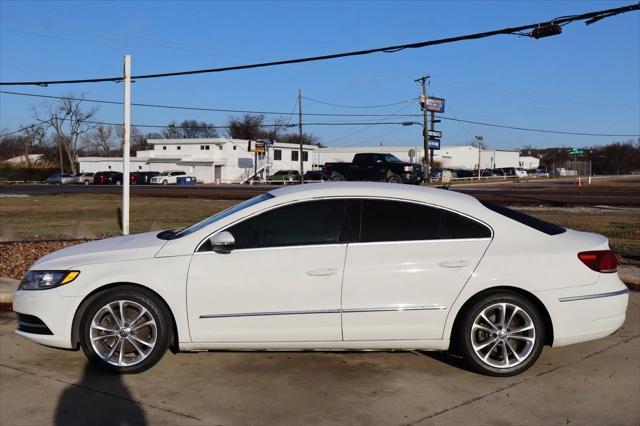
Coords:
42,280
408,168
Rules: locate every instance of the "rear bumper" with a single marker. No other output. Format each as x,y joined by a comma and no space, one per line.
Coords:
584,313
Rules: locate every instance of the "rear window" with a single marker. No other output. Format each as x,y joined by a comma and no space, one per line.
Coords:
525,219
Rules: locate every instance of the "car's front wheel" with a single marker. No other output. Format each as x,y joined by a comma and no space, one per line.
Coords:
125,330
502,334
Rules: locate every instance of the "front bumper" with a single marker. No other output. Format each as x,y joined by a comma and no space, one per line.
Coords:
412,178
584,313
54,310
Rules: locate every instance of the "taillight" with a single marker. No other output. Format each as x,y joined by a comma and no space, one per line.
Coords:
599,260
132,178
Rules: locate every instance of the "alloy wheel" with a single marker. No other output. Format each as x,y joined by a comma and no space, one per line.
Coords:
503,335
123,333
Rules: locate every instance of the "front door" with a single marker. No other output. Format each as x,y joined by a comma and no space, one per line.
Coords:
403,275
281,283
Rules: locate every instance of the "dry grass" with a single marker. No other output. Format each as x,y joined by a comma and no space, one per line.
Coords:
48,216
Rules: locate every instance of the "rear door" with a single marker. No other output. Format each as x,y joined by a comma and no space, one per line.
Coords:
409,265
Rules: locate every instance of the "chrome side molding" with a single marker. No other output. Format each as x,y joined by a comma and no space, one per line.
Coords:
594,296
328,311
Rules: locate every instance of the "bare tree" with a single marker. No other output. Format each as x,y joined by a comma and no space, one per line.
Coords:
100,139
32,136
193,129
253,127
69,122
137,139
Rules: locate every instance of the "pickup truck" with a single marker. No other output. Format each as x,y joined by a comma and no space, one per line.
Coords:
375,167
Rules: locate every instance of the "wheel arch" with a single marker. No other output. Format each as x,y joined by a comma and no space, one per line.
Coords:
524,293
75,327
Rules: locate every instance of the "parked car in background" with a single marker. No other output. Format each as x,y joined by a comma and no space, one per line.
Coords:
60,179
351,266
168,178
518,172
84,178
464,173
107,178
285,176
375,167
541,171
142,178
314,175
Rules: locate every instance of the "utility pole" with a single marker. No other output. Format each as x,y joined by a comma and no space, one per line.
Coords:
479,143
300,134
126,144
425,132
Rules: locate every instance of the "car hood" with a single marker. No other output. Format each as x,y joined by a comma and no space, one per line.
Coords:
138,246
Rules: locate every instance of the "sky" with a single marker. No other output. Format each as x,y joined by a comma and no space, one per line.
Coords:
584,80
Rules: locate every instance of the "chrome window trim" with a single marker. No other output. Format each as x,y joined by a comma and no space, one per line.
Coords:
594,296
328,311
347,197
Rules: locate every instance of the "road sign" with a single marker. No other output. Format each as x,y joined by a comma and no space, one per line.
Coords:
434,134
434,143
257,146
435,104
576,151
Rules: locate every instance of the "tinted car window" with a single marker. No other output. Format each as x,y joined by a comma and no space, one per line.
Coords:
525,219
454,226
384,220
397,221
313,222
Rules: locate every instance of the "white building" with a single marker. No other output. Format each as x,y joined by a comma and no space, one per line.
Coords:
212,160
226,160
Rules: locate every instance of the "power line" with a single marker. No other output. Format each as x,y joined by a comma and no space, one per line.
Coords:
395,114
589,18
190,108
365,106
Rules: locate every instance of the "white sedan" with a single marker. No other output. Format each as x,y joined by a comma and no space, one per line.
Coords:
331,267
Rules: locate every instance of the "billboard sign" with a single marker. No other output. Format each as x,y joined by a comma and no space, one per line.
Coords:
434,143
435,104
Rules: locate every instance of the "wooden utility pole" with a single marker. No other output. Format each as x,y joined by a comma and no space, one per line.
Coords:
425,129
300,134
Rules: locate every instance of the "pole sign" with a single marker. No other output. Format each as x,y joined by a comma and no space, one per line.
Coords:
257,146
434,134
434,143
576,151
435,104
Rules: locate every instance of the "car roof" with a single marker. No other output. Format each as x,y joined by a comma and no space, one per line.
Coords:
378,189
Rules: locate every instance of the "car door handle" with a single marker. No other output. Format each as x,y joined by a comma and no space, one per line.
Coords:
320,272
458,263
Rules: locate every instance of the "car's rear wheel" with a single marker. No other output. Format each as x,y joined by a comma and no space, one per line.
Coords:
501,334
125,330
86,182
164,182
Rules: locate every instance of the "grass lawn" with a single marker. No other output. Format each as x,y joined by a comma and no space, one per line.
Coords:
47,216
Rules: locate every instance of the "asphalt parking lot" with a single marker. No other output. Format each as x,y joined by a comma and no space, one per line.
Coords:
591,383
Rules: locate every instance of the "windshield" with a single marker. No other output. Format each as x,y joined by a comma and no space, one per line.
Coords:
390,158
216,217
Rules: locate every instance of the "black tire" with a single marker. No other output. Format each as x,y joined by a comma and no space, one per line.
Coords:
337,177
164,182
118,183
393,178
155,308
86,182
529,353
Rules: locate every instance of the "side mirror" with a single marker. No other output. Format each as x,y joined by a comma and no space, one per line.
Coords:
222,242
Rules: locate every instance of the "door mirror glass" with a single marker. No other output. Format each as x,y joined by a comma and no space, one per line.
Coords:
222,242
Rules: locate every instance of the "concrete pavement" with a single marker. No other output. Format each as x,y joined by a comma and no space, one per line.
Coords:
591,383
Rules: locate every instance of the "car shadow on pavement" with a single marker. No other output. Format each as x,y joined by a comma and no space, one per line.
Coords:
100,398
448,358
